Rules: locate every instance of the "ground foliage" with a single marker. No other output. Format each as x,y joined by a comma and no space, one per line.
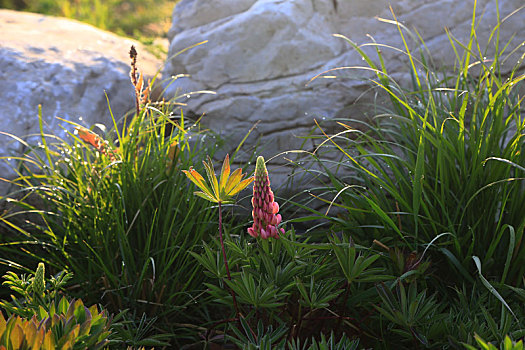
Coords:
420,244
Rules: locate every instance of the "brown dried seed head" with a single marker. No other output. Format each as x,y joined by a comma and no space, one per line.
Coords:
133,53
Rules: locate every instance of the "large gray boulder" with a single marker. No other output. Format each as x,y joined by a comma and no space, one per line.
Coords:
261,55
67,67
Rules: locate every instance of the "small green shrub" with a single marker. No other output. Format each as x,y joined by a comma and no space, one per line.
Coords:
273,339
325,344
294,288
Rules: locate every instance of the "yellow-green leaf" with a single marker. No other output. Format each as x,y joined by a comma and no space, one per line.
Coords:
2,324
195,177
17,336
205,196
37,341
31,331
211,176
233,180
198,180
48,344
241,186
225,172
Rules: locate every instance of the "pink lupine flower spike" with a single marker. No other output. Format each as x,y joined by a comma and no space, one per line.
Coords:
265,209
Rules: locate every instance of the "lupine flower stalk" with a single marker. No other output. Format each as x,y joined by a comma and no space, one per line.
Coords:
265,209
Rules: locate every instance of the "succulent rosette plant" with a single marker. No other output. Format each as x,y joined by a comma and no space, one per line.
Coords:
265,210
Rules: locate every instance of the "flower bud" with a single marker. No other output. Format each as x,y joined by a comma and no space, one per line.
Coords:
39,283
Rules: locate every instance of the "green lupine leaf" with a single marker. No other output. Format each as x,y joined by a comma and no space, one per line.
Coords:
234,179
218,191
240,186
212,178
198,180
225,172
205,196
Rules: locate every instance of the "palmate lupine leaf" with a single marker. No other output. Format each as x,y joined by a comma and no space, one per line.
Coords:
235,184
212,178
199,181
231,185
225,171
218,191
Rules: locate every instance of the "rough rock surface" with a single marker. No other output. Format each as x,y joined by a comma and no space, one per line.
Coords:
261,55
67,67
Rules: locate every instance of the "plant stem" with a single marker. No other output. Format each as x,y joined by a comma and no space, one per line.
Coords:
265,246
226,261
345,300
212,327
299,322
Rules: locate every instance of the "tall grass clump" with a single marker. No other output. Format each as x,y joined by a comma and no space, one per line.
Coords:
118,212
444,165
